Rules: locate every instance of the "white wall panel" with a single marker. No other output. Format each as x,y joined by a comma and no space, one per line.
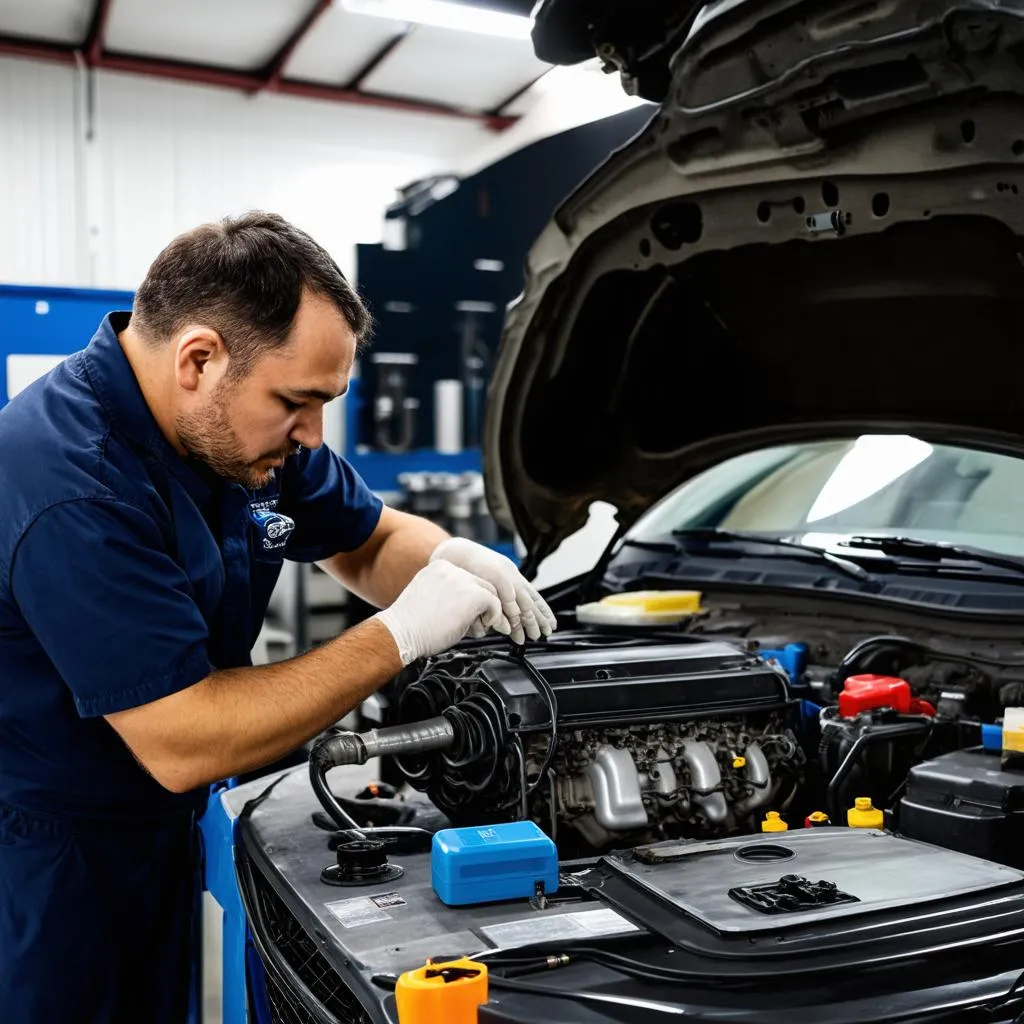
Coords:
175,157
167,156
40,226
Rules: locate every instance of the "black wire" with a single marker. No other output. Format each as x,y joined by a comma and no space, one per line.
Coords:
495,981
519,658
615,961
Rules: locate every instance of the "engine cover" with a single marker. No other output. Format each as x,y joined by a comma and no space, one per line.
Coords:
610,735
632,683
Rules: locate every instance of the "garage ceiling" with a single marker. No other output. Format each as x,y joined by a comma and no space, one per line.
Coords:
322,49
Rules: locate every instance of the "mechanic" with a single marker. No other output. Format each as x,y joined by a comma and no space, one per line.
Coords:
150,488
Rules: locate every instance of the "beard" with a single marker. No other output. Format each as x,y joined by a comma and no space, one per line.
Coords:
208,437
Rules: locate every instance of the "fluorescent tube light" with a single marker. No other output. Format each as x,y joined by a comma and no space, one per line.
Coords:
445,14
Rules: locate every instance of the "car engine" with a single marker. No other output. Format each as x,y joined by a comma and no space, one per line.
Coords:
611,737
608,737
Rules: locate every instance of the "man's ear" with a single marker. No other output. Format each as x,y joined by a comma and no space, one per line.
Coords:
199,357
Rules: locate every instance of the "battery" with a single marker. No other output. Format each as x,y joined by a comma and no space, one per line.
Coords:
497,862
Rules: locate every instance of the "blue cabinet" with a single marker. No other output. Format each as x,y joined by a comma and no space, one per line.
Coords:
40,325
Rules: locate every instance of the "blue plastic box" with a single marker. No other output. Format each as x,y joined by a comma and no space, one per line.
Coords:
496,862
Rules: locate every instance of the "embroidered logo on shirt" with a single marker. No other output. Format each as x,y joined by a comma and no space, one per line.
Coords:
273,527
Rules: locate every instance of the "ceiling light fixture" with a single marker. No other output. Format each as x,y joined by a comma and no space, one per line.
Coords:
445,14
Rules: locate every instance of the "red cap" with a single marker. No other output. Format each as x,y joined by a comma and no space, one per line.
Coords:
865,693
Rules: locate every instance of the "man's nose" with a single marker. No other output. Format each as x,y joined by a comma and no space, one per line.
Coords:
309,429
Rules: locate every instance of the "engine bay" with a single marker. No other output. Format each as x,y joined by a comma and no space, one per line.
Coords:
734,807
615,737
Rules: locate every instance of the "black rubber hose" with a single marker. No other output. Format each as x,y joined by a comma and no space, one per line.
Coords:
871,648
347,748
865,740
341,748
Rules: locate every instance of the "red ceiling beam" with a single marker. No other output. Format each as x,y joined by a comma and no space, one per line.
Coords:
498,108
200,74
377,59
94,41
275,66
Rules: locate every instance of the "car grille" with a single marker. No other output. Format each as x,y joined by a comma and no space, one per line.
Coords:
283,939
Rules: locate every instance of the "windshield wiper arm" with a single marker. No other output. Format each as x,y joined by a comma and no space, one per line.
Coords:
735,536
933,551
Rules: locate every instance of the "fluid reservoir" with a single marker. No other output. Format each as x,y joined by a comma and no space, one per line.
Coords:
450,991
773,823
641,608
864,814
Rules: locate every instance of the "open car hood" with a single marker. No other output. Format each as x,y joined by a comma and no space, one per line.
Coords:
818,234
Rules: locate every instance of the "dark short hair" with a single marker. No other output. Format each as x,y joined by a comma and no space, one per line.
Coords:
244,278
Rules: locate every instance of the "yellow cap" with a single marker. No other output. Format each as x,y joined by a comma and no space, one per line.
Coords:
657,600
1013,730
773,823
817,816
864,815
641,608
739,762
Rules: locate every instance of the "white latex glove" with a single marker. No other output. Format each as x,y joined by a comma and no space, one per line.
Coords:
438,608
527,612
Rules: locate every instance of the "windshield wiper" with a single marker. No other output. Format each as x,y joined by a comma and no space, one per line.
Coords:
737,537
933,551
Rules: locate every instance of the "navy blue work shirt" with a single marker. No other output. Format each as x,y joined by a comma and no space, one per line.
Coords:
127,573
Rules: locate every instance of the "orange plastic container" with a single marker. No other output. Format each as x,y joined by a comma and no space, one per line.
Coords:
444,993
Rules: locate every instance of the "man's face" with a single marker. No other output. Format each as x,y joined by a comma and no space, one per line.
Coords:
246,427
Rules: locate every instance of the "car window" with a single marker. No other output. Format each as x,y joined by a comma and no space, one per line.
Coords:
872,484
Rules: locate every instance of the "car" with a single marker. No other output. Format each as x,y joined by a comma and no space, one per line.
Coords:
776,741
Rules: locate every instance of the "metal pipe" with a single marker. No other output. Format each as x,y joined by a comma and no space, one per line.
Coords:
246,81
759,775
705,778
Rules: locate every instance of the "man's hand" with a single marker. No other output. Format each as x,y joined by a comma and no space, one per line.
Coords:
527,612
441,604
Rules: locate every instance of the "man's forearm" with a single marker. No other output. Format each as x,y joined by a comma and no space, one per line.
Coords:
380,573
237,720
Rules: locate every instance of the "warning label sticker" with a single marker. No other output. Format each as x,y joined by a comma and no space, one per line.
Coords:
585,924
388,899
357,912
602,922
365,909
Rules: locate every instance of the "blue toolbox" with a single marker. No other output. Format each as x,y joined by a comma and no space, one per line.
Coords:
498,862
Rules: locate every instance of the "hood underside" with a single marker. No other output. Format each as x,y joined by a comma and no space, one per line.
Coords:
838,251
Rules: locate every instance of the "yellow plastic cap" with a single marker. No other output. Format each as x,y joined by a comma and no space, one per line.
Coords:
739,762
864,815
657,600
1013,730
817,816
773,823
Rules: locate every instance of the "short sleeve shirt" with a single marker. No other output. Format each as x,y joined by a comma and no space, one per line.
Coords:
128,573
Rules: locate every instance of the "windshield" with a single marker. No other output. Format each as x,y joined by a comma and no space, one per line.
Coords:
825,491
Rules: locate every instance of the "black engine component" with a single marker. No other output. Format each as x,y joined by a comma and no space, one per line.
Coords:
965,801
361,862
615,732
790,893
868,755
